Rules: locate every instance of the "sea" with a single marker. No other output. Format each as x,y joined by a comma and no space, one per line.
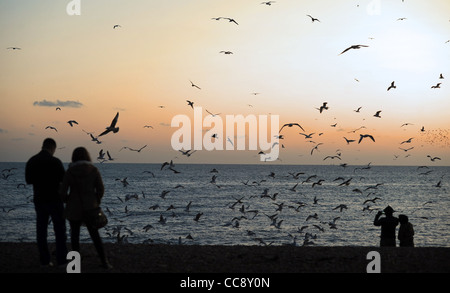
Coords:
224,204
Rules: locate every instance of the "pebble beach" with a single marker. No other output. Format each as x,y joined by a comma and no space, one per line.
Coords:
187,259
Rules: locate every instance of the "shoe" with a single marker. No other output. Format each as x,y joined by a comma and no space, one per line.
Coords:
106,265
49,265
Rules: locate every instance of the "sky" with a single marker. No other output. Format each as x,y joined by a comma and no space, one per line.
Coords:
143,70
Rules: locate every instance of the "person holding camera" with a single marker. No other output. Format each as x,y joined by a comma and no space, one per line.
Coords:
388,224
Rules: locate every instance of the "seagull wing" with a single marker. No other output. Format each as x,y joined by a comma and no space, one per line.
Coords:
104,132
345,50
113,123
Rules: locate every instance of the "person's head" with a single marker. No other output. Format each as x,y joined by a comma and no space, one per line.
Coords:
403,219
80,154
49,145
388,211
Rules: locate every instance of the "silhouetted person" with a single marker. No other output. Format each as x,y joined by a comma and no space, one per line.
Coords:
388,224
405,232
86,191
46,173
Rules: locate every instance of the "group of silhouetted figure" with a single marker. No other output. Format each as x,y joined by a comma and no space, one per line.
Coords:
62,194
388,225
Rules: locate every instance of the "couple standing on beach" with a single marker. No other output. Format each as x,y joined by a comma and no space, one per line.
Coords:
50,186
388,225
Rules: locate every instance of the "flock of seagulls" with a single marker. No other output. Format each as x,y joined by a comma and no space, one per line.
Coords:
243,205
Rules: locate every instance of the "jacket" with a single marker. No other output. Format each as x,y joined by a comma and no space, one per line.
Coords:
387,224
86,189
46,173
406,234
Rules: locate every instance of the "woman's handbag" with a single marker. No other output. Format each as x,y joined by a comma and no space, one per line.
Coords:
95,218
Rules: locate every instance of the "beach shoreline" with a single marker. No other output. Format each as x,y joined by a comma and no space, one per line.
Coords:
161,258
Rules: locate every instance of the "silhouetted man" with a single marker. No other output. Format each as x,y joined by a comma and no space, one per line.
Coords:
388,225
46,173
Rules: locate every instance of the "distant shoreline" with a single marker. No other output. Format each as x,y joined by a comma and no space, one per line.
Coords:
142,258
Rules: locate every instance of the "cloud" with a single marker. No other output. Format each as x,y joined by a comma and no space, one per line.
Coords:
58,103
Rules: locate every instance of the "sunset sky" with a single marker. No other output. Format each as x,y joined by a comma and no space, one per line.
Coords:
92,71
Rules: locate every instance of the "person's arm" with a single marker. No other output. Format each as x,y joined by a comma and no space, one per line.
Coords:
377,221
99,187
61,171
29,173
64,188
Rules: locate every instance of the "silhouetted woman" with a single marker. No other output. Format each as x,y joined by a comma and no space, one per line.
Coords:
405,232
86,191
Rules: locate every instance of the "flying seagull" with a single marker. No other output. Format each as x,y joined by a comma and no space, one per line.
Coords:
116,26
438,86
392,86
348,140
190,103
72,122
312,18
214,115
135,150
364,136
377,114
13,48
353,47
112,127
323,107
193,85
315,148
268,3
290,125
231,20
51,127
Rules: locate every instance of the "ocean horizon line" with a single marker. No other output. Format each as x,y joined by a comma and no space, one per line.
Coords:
239,164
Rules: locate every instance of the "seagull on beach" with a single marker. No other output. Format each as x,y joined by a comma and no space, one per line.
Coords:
112,127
